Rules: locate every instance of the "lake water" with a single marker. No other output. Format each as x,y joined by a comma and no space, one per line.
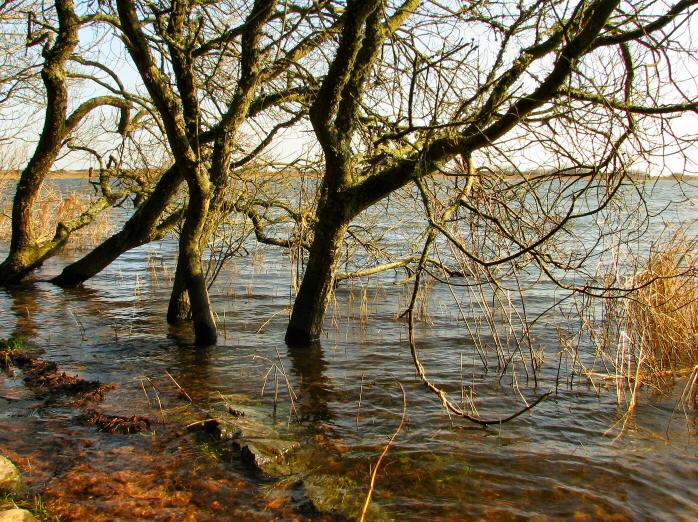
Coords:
560,461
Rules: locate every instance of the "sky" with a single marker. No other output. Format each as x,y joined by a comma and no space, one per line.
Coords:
97,42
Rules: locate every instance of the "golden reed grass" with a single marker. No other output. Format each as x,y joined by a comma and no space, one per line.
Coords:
52,207
658,336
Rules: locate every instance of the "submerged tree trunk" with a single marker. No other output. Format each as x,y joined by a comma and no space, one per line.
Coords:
140,229
309,306
179,307
189,261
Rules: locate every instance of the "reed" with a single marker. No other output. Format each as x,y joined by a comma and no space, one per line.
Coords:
662,316
53,207
658,322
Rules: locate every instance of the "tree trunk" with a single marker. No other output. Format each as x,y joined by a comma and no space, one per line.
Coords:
179,308
309,306
138,230
21,261
190,260
24,255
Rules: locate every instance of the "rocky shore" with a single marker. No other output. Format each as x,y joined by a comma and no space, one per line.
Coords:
11,485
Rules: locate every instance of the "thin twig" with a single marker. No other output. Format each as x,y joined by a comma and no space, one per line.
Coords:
385,452
178,386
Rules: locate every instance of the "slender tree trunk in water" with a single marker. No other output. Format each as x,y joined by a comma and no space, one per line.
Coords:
309,306
179,308
25,254
141,228
190,260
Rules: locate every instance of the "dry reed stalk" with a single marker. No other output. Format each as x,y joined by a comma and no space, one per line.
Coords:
658,336
372,484
358,406
689,397
53,207
363,308
181,390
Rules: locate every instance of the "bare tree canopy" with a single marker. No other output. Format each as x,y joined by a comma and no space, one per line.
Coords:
512,121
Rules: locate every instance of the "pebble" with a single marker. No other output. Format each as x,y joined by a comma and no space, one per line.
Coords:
10,477
17,515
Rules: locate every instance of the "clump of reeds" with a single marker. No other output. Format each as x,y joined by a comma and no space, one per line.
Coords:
53,207
658,334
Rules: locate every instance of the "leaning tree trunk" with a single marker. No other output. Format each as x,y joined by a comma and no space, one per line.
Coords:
24,255
309,306
189,261
140,229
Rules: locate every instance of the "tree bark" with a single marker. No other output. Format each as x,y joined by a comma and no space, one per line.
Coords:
189,260
23,255
311,302
179,308
140,229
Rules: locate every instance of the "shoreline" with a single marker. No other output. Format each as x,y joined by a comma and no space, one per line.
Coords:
56,174
14,175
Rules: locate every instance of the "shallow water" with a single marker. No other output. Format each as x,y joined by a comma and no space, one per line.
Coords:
560,461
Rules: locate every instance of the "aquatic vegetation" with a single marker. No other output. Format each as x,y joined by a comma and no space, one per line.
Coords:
35,504
53,207
116,423
657,322
11,345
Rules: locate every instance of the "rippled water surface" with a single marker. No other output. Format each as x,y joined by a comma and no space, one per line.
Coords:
562,460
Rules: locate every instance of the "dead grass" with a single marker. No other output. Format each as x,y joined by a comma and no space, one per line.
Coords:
658,334
53,207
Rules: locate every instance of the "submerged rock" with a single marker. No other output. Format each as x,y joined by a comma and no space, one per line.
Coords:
268,455
324,497
335,494
10,477
248,428
17,515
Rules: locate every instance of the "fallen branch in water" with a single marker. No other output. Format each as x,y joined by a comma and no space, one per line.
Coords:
385,452
409,313
447,403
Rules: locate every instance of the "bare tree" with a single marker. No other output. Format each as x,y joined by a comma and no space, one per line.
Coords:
538,93
202,131
58,44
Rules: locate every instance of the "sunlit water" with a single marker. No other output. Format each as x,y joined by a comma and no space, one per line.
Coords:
562,460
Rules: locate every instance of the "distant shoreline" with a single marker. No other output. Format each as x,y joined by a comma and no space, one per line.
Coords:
85,175
56,174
